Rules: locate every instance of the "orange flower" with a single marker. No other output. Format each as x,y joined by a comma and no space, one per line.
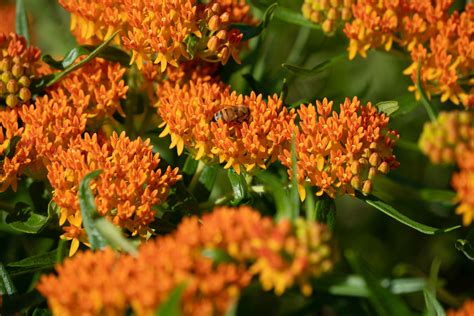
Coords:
188,112
463,184
341,152
126,191
446,140
19,64
467,309
331,14
163,32
281,255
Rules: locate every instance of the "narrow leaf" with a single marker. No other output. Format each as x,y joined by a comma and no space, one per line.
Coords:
190,165
284,90
433,307
298,70
250,31
113,236
89,211
466,246
325,209
172,305
6,285
388,107
208,177
239,186
384,302
393,213
292,17
281,196
33,263
22,20
424,98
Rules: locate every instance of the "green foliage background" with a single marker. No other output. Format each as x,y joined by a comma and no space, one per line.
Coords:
387,247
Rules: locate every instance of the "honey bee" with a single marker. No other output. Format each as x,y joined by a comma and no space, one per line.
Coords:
233,114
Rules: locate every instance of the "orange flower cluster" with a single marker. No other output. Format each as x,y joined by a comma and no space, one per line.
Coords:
330,14
281,255
188,116
19,64
467,309
463,184
445,140
126,191
7,16
342,152
440,40
164,31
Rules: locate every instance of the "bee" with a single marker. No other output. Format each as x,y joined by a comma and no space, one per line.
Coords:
233,114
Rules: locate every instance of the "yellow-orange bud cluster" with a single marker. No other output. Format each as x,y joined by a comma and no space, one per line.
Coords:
281,255
330,14
19,65
446,139
340,152
463,184
126,191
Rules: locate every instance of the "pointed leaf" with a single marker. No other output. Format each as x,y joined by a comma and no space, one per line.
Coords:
250,31
281,196
172,305
325,209
424,98
113,236
466,246
297,70
388,107
22,20
393,213
208,177
89,212
239,186
433,307
30,222
6,285
190,165
33,263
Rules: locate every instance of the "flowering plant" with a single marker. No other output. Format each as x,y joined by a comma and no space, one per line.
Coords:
236,157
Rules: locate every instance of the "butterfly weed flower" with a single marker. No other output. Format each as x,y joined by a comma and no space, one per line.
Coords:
130,185
463,184
446,139
281,255
466,309
188,114
330,14
19,65
341,152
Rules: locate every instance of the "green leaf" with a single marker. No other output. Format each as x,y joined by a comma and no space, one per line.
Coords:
172,305
33,263
384,302
22,20
217,255
6,285
11,148
325,209
191,42
388,107
393,213
239,186
190,165
29,222
276,188
208,177
113,236
284,90
41,312
250,31
433,307
13,304
109,53
294,194
255,85
89,212
48,81
435,195
301,71
292,17
466,246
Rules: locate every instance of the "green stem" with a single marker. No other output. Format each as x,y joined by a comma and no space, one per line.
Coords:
301,39
146,120
195,178
423,96
229,196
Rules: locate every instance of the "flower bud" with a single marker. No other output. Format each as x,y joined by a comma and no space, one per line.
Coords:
12,100
367,187
17,70
25,94
24,81
12,86
384,168
213,44
374,159
372,173
213,23
6,76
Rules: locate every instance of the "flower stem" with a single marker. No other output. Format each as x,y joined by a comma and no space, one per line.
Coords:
195,178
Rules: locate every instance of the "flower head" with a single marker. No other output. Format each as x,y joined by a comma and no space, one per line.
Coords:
188,115
130,185
340,152
463,184
446,139
19,65
280,255
330,14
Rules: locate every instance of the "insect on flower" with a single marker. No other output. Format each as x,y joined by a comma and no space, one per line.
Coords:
238,113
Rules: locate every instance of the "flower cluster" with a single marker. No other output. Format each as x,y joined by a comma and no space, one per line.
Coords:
466,309
188,116
446,139
280,255
163,32
463,184
330,14
126,191
19,64
342,151
441,41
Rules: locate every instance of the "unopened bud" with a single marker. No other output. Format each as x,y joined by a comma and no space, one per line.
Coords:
216,8
17,70
372,173
224,54
5,65
355,167
384,168
374,159
213,44
222,35
25,94
333,14
328,26
316,17
367,187
225,17
24,81
213,23
355,182
12,86
346,14
3,88
6,76
12,100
